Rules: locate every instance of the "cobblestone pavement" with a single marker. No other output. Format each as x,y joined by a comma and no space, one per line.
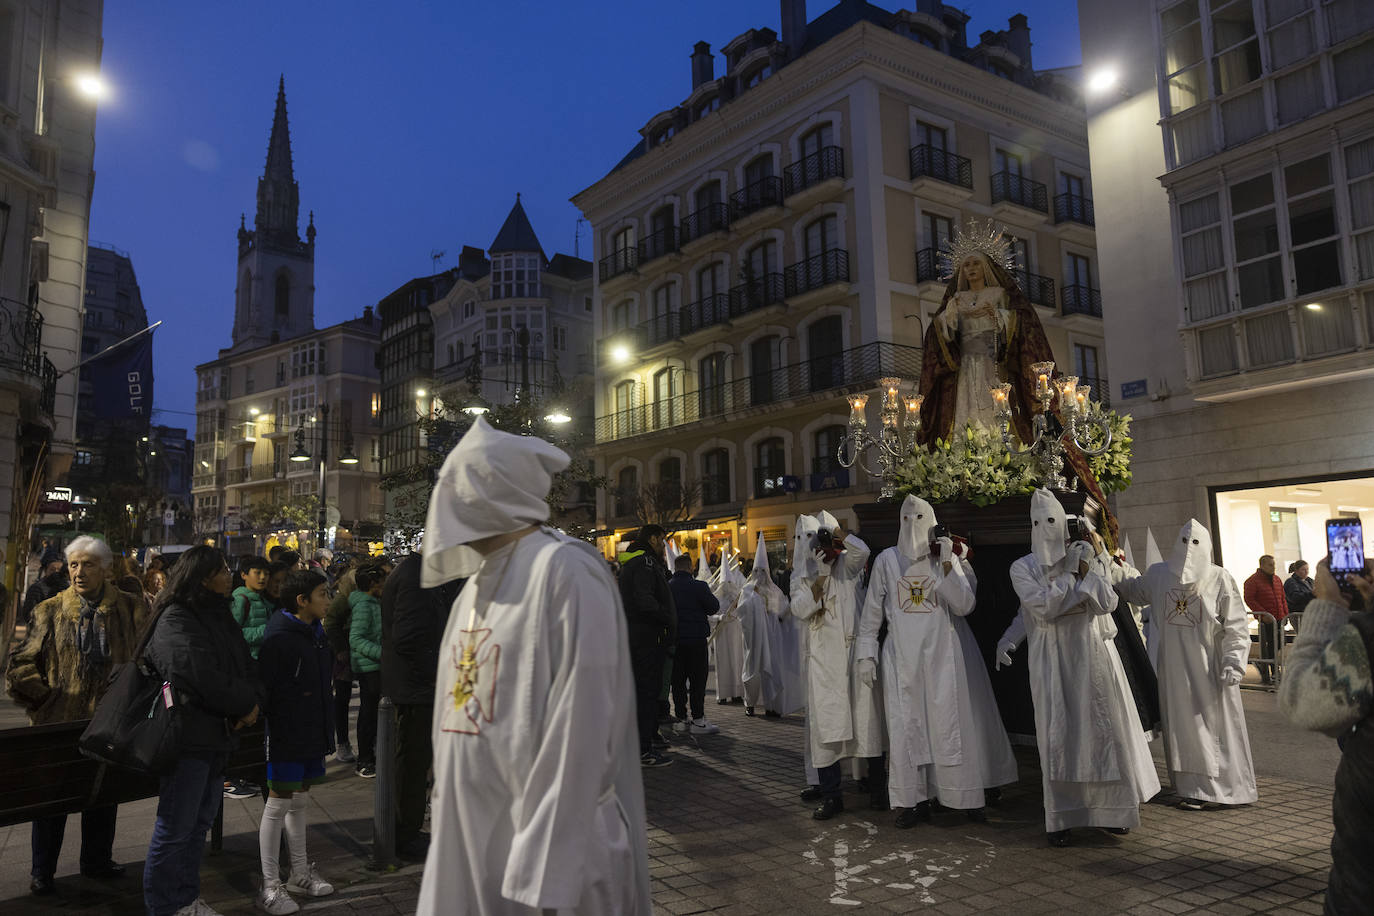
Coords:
729,835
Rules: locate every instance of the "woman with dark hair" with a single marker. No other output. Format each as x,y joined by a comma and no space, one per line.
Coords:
199,649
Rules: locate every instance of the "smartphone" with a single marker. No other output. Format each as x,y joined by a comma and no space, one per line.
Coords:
1345,547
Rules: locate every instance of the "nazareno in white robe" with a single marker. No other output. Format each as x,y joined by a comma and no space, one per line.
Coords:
727,645
1202,629
946,735
1094,759
844,718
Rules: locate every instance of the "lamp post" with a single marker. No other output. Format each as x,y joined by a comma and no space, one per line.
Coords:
301,454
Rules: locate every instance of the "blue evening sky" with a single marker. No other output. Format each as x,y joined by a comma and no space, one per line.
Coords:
413,125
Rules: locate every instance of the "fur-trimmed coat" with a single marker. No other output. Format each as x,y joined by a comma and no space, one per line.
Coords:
44,674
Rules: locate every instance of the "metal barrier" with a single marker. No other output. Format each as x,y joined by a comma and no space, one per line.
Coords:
384,799
1275,662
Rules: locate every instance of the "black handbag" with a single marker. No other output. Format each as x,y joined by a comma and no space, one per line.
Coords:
137,723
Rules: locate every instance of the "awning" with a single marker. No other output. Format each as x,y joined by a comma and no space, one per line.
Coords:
703,521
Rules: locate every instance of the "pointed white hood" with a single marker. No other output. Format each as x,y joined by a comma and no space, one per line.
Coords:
1191,560
1049,527
1126,553
827,521
491,483
1152,554
760,570
804,562
673,552
730,570
918,517
703,567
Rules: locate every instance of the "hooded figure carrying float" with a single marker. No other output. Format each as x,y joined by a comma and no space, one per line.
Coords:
1204,646
1094,758
945,731
727,640
844,717
538,803
771,672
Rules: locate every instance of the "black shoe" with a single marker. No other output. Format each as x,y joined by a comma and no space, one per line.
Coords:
42,886
977,815
748,710
738,701
1117,831
366,771
910,817
1059,838
828,809
105,872
724,702
878,801
992,796
653,759
811,794
771,714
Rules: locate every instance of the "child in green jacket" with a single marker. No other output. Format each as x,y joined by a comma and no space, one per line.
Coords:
250,604
365,649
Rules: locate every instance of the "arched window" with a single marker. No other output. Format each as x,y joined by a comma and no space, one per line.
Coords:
770,464
757,76
662,236
712,304
666,408
926,38
626,414
764,360
825,346
821,236
626,491
827,444
282,297
817,140
715,477
711,385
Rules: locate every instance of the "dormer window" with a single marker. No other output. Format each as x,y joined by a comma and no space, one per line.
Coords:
663,135
707,106
758,76
997,68
926,38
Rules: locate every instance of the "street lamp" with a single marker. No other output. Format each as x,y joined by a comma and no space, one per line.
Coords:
91,86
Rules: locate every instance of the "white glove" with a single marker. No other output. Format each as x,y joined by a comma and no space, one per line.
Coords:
946,548
1004,650
1079,552
868,672
1231,676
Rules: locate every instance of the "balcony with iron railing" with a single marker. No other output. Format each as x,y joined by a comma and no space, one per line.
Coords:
1074,208
1038,289
816,272
857,367
932,162
660,243
1011,188
207,480
820,166
620,261
21,351
928,265
764,193
1082,300
706,221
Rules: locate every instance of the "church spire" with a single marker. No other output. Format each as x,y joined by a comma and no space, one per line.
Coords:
278,195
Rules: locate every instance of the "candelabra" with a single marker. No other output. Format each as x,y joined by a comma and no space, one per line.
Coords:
896,440
1049,435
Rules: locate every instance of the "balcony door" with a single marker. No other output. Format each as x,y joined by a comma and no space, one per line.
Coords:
763,365
665,399
825,346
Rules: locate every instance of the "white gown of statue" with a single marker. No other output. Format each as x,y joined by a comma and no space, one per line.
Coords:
975,317
1203,631
538,805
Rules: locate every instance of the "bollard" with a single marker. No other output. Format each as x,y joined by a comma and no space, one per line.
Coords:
384,801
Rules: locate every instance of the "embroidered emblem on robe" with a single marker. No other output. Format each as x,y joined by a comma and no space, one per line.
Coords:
1184,607
474,687
917,594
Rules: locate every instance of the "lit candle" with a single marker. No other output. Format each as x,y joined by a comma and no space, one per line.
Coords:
1082,401
857,418
913,407
1000,394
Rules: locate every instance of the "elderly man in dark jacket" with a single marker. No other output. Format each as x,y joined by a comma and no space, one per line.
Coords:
694,603
653,627
413,621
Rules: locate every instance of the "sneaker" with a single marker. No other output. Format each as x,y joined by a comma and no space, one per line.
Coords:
276,901
654,759
703,727
344,754
309,883
365,771
239,789
197,907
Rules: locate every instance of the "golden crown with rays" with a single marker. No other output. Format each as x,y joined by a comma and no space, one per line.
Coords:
983,239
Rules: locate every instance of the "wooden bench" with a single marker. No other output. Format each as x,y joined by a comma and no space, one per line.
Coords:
42,773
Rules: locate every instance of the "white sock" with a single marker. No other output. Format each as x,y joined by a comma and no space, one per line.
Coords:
295,833
269,839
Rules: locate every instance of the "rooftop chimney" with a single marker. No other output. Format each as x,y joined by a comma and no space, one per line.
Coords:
1018,39
703,64
793,26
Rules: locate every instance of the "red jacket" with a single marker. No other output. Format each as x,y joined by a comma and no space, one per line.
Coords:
1265,593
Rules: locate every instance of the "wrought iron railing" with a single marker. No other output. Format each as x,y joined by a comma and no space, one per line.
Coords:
664,241
710,218
861,366
21,347
928,265
1074,208
620,261
932,162
1082,300
822,165
47,399
766,192
820,270
1020,191
1038,289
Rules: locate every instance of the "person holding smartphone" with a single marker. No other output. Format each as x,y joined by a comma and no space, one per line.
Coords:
1327,687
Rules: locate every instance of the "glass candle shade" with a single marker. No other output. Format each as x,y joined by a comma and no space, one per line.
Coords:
857,418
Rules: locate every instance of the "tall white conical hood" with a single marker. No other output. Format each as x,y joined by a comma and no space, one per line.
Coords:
1049,528
491,483
1191,560
703,567
731,569
827,521
918,517
804,562
673,552
760,560
1152,554
1126,553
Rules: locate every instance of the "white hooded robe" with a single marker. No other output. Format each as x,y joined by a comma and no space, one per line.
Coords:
538,804
844,718
1095,761
946,735
772,667
1203,630
727,641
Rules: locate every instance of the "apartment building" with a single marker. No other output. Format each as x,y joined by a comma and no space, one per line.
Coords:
770,246
1233,162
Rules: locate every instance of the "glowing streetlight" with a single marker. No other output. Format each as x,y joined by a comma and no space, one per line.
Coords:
253,411
620,353
1313,306
558,416
92,86
420,392
1103,80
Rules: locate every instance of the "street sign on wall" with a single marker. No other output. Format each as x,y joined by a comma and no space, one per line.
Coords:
1135,389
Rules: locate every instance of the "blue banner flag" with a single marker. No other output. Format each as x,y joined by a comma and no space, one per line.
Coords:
122,380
